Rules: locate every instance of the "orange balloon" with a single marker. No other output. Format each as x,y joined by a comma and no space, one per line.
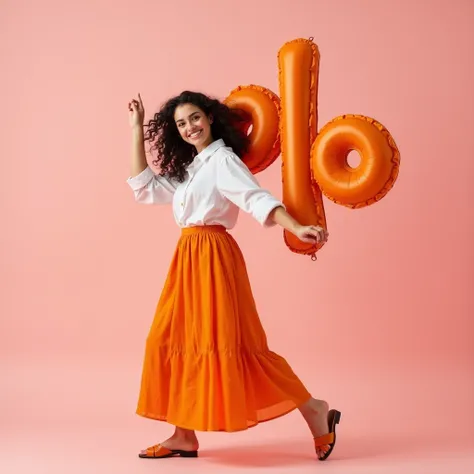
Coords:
312,164
298,63
263,107
315,164
377,172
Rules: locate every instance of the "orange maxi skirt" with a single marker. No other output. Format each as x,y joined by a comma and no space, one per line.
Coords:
207,364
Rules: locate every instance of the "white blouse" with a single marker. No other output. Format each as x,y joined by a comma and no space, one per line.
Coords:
217,185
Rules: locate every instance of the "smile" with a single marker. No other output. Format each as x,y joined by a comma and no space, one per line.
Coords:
195,135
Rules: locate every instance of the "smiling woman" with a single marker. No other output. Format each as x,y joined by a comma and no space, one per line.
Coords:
207,363
169,131
194,126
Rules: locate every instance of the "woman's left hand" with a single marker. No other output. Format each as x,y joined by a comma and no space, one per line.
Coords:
312,234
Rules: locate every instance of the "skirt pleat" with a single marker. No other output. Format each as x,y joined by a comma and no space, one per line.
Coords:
207,365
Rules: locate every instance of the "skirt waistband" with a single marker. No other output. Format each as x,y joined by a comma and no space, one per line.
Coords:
203,229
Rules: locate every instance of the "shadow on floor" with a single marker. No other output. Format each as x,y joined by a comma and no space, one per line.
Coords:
301,452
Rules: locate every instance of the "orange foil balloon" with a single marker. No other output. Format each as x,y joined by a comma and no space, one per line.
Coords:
372,179
263,108
298,63
314,164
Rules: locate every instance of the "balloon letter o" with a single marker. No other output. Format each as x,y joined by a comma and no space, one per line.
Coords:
372,179
263,106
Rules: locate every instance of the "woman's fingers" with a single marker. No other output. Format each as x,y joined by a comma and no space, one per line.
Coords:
136,105
322,234
133,105
313,235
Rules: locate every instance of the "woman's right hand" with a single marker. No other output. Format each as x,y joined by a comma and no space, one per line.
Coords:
136,112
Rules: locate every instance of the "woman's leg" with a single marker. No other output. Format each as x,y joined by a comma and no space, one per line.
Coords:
185,440
315,413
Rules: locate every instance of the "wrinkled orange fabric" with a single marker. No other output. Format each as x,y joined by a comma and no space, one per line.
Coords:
207,365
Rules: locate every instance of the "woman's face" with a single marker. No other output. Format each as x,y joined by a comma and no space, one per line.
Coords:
194,126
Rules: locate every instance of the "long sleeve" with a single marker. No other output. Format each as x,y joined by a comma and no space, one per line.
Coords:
152,189
237,183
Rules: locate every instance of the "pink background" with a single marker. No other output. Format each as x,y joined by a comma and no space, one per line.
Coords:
381,326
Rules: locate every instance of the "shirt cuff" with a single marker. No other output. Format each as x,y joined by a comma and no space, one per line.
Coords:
141,180
264,208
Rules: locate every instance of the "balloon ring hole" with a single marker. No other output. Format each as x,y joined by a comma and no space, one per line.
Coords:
246,127
244,121
247,124
353,159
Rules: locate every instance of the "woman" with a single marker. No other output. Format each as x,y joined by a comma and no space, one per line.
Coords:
207,365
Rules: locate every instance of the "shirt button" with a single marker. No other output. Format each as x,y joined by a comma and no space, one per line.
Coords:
182,204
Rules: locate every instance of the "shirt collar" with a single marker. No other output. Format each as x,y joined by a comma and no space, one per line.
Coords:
209,150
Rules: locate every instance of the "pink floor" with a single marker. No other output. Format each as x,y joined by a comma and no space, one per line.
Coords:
57,450
68,417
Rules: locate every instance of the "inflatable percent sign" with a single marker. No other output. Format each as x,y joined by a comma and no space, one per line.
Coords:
314,164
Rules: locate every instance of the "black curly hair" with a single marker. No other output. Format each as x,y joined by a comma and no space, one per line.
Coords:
174,154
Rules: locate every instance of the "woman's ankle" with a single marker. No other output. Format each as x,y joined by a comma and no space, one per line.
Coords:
313,406
188,435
